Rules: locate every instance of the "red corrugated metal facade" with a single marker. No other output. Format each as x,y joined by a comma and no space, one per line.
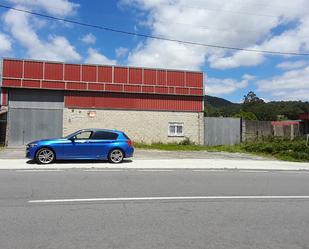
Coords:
97,86
133,101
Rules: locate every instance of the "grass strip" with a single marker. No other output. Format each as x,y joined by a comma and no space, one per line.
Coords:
282,149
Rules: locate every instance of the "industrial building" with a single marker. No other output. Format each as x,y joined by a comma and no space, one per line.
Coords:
43,99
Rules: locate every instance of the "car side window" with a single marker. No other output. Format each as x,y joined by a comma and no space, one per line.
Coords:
83,135
104,135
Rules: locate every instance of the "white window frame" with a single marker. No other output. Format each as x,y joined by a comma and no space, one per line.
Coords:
176,134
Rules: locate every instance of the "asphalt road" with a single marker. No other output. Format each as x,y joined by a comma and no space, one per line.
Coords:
69,222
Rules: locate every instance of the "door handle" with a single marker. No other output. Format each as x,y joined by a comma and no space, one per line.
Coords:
80,141
100,142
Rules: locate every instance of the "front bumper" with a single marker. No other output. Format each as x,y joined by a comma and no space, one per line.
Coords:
30,152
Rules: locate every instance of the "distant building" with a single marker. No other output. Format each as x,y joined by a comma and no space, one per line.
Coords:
305,118
288,128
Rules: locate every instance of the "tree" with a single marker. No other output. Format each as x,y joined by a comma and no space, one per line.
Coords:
212,112
263,111
245,115
251,98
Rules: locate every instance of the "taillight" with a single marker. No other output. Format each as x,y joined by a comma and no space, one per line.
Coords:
130,143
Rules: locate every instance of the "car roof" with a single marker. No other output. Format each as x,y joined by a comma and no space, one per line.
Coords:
96,129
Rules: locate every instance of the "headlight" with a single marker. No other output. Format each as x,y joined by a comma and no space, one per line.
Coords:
31,145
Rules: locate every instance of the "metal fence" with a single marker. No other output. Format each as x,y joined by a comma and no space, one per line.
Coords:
222,131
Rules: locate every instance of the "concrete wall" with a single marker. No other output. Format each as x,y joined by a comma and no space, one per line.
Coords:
140,126
253,130
289,131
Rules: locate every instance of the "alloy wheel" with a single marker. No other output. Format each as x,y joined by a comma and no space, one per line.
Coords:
45,156
116,156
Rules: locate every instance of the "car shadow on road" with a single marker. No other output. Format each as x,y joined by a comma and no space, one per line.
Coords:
81,161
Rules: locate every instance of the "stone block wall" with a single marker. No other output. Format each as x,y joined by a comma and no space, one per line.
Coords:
141,126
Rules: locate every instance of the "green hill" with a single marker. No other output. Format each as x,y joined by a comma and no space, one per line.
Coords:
274,110
217,102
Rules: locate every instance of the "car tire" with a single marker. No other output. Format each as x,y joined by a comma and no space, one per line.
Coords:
116,156
45,156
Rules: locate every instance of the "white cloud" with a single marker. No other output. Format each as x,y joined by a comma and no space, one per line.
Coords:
240,58
89,39
216,86
164,54
94,57
55,48
5,44
233,23
146,5
54,7
121,51
289,65
291,85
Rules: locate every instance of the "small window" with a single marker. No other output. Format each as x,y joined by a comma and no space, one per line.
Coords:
175,129
104,135
83,135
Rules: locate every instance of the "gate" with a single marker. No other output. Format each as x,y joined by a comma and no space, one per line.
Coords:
222,131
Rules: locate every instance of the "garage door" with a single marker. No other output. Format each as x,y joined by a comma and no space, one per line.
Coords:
34,115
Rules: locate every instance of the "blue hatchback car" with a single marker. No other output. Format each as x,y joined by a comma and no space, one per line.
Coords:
88,144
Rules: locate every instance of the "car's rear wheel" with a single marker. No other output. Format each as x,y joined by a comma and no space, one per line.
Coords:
115,156
45,156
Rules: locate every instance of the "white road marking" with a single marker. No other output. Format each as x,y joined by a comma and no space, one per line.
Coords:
103,170
229,170
294,172
253,171
171,198
210,170
154,170
38,170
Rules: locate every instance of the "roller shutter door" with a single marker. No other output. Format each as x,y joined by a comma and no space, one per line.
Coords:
33,115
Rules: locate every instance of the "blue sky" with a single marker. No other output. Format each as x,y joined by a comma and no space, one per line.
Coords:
279,25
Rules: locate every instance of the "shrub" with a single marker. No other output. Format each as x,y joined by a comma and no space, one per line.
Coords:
186,141
282,148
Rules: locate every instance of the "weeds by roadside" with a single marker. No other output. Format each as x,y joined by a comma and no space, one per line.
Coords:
283,149
180,147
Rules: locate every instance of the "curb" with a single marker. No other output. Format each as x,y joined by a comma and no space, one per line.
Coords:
184,164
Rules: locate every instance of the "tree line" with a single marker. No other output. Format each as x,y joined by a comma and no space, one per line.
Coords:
255,108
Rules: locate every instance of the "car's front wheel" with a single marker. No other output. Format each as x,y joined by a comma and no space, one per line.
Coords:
45,156
115,156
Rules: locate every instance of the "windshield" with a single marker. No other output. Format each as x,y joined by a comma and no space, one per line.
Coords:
71,135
